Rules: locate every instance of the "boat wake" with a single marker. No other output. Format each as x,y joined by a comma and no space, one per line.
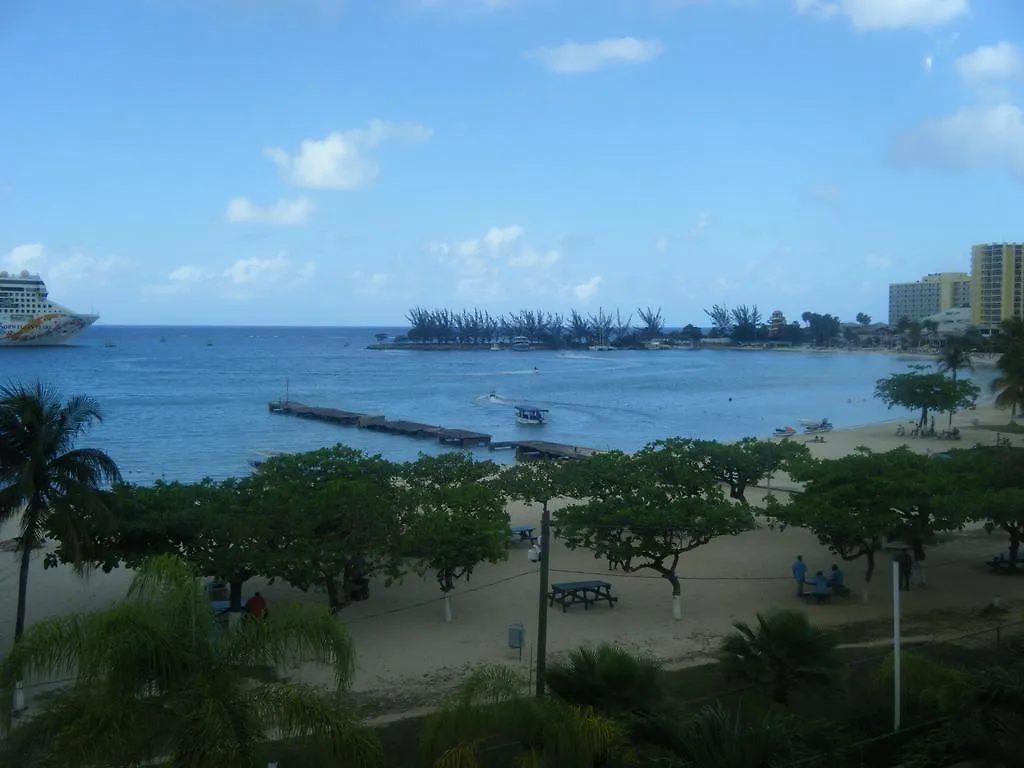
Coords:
494,398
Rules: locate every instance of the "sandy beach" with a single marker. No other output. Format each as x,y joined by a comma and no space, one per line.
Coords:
408,655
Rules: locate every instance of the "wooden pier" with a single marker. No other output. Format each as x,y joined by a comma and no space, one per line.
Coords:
378,423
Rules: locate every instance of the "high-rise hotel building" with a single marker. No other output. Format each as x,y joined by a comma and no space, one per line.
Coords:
996,283
928,296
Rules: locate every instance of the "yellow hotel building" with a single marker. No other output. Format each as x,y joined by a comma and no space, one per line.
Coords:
996,284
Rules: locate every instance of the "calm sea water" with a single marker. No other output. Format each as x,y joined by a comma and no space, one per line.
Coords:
196,404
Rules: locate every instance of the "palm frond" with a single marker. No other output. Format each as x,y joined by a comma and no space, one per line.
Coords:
300,632
296,710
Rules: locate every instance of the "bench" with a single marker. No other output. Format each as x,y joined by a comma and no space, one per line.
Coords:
523,533
586,592
1002,565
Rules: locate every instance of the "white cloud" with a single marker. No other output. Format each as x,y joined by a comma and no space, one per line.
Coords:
988,137
1001,61
703,222
283,213
481,265
75,267
79,266
181,279
253,272
877,261
928,63
572,58
661,245
586,290
887,14
23,256
340,160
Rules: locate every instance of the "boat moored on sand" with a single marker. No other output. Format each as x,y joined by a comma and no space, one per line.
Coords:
814,427
784,432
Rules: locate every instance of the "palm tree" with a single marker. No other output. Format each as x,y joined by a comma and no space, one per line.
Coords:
491,711
157,678
1009,384
54,486
614,682
955,357
784,649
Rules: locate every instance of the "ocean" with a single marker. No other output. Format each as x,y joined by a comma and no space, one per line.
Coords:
182,403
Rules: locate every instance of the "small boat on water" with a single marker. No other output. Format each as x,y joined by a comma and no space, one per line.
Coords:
495,348
528,414
784,431
521,344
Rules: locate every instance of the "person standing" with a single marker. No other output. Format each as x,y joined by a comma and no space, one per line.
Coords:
256,606
800,574
906,564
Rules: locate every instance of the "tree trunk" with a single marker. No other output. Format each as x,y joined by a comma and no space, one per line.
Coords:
333,599
865,592
952,410
447,608
919,561
1014,548
19,622
924,418
677,608
780,690
235,595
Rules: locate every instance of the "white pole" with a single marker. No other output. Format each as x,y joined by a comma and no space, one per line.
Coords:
896,646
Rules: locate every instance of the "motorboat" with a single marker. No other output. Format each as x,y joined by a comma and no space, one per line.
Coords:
784,431
528,414
495,348
521,344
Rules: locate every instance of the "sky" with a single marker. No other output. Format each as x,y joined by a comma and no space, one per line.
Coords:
337,162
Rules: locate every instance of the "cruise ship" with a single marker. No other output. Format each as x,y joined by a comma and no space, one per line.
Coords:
28,317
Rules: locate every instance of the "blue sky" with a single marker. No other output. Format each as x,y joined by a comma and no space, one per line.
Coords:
322,162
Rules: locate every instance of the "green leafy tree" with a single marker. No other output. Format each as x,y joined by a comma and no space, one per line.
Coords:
216,525
1008,386
781,651
863,319
989,483
157,678
332,513
492,708
925,390
739,465
457,519
644,511
48,485
857,503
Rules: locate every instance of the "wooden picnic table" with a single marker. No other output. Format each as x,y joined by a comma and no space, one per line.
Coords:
524,532
586,592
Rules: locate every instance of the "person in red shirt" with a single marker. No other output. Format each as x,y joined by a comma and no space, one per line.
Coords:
256,606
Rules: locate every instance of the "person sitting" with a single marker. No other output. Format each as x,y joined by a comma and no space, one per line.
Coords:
821,587
837,581
256,606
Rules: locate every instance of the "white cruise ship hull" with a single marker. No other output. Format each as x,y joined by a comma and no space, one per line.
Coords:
45,330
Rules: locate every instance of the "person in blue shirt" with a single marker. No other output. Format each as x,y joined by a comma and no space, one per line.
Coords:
821,587
836,580
800,575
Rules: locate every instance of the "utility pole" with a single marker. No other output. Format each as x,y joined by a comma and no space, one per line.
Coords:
542,613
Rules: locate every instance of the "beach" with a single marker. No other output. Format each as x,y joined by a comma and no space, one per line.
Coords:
408,655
